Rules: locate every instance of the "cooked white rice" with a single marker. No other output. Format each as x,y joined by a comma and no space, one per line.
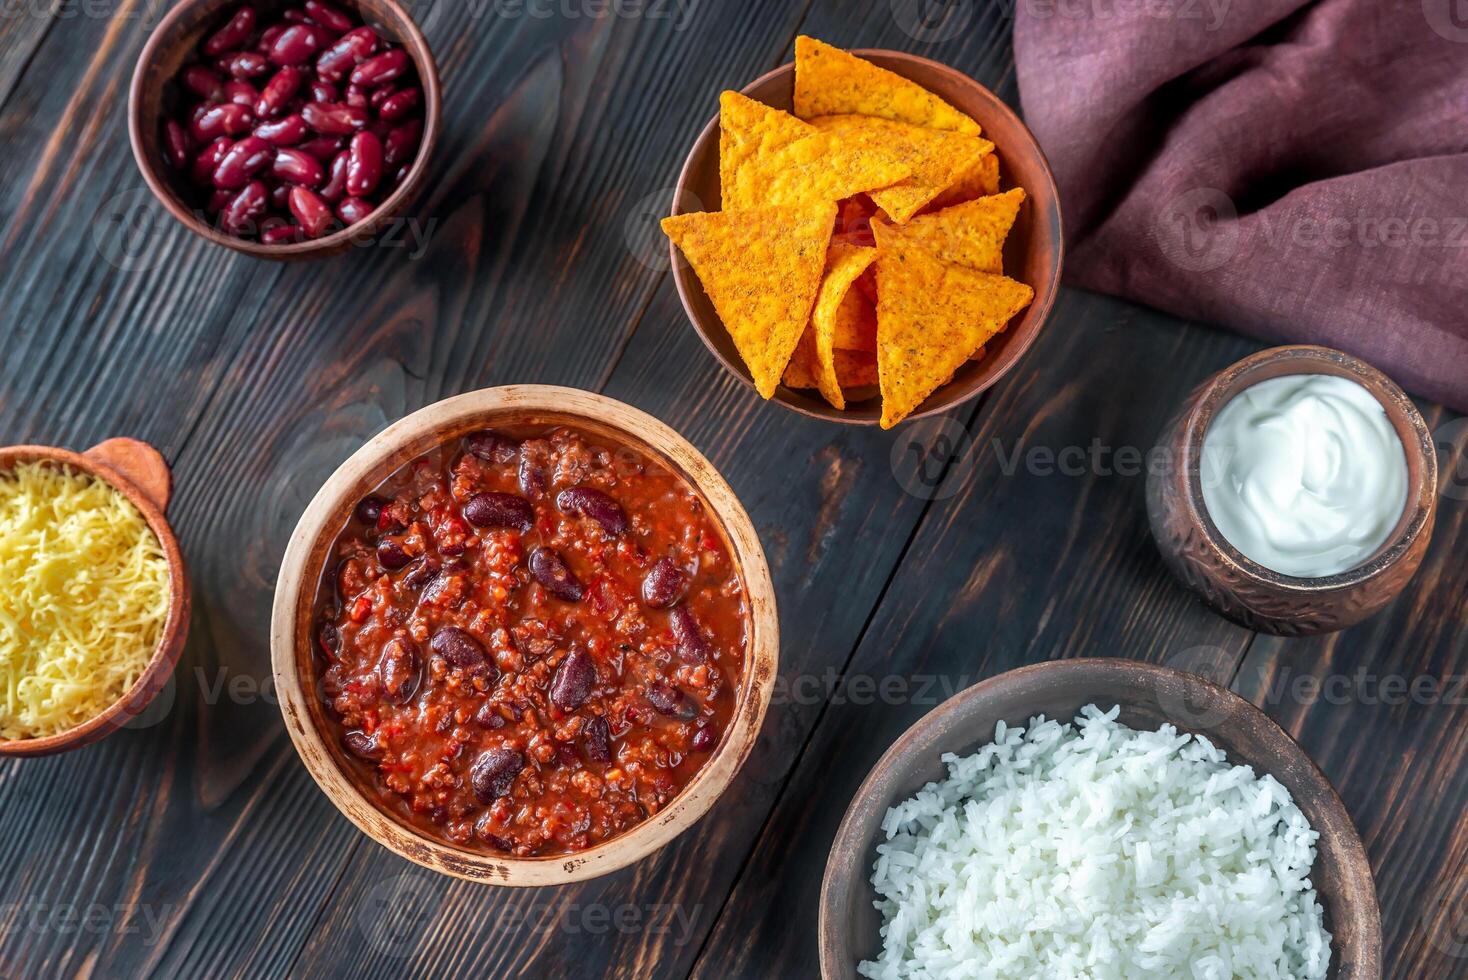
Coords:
1092,850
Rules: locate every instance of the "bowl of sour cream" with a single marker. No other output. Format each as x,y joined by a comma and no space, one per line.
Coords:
1301,493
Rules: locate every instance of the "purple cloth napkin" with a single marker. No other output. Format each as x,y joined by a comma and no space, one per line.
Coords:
1298,171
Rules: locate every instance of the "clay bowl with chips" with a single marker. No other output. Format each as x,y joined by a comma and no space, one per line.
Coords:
1033,251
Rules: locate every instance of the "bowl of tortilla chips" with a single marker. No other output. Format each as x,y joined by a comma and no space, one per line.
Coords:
866,236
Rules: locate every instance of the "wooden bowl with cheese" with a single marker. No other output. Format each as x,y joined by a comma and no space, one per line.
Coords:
102,566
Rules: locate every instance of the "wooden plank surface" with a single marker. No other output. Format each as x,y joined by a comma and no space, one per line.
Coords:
197,845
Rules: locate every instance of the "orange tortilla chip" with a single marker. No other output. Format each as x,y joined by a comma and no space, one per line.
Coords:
829,82
970,234
843,264
768,157
938,159
931,316
761,269
979,180
856,321
856,369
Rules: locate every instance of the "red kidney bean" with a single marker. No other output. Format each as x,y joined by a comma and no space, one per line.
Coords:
364,164
245,64
218,198
286,131
298,168
280,199
379,95
421,574
368,510
354,210
663,584
204,164
294,15
361,745
401,175
692,645
704,738
668,700
333,118
531,477
176,146
493,773
356,97
488,717
342,57
241,92
297,44
329,640
551,571
323,148
381,69
596,740
227,119
281,234
401,143
336,184
328,16
320,91
458,647
493,509
244,210
243,161
592,503
398,105
400,669
282,86
491,446
234,34
573,680
269,36
390,554
203,83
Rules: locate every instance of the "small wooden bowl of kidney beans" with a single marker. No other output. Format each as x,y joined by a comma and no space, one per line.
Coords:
285,131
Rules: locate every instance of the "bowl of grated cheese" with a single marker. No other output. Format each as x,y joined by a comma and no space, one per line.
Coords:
95,605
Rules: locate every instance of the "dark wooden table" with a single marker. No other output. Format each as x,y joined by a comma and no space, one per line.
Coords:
196,844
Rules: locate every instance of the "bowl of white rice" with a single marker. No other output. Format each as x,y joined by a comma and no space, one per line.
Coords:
1098,819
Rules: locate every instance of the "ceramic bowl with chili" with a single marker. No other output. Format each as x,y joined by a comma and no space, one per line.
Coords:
526,636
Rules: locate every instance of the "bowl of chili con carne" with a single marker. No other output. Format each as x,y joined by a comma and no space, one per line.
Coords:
526,636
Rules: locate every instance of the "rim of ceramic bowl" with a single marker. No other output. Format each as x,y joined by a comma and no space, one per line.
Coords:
294,665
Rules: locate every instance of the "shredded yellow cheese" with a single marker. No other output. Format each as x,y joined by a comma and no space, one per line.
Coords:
84,595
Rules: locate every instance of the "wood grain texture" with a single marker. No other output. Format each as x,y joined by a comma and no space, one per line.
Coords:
197,842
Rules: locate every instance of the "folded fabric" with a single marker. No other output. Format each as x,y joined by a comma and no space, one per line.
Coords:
1296,170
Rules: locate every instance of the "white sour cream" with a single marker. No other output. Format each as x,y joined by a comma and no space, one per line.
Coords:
1304,474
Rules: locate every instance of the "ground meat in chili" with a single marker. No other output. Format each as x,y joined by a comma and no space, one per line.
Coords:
531,639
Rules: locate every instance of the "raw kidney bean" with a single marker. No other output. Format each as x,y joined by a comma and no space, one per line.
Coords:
592,503
241,92
204,164
664,584
287,131
203,83
328,16
359,744
280,200
692,646
356,97
364,164
176,145
494,772
314,214
243,161
323,92
245,209
245,64
281,233
281,88
381,69
294,16
551,571
668,700
458,647
401,143
233,35
298,168
491,447
268,36
596,740
323,148
495,509
336,184
218,199
227,119
333,118
573,681
353,210
400,669
350,50
390,554
397,106
296,44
